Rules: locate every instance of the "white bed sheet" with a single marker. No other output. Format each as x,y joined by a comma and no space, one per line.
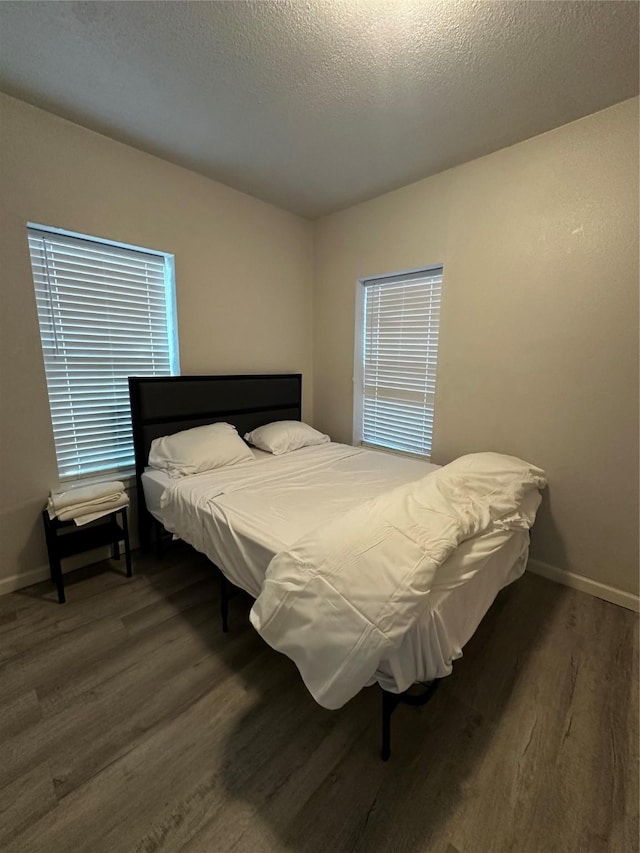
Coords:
154,482
241,516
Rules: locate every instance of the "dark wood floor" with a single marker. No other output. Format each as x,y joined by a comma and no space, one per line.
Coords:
129,722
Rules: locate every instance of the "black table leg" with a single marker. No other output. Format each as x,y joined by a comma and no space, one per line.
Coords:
127,549
56,575
55,565
115,548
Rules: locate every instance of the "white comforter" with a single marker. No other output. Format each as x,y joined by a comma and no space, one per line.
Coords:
346,594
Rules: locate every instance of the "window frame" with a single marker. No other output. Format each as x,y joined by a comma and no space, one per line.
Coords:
171,318
358,356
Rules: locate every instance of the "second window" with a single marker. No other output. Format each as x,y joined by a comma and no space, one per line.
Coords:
396,360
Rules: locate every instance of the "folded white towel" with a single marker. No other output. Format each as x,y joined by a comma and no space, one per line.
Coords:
90,512
84,494
87,515
88,506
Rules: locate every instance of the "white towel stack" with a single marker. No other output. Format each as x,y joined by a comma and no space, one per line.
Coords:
86,503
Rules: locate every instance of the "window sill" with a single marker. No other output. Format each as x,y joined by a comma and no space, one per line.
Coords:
406,454
126,476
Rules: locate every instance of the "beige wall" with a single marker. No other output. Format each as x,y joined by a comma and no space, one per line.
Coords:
539,328
243,284
539,337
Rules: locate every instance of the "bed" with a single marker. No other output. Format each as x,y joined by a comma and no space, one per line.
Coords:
242,516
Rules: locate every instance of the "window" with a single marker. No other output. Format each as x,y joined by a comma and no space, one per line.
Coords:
395,361
106,312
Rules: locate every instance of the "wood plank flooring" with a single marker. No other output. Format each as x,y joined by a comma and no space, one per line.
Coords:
130,722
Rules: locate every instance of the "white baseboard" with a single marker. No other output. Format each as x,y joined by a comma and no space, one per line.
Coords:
41,573
574,581
580,582
14,582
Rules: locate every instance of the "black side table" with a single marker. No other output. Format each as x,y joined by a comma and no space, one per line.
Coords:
65,538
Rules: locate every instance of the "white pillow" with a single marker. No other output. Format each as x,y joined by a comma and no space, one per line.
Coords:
200,449
284,436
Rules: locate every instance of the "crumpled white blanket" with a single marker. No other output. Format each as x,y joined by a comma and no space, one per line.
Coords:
344,596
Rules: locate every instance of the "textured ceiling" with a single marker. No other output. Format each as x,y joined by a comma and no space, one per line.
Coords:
316,105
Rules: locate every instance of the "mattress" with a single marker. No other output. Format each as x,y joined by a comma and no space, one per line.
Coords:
154,483
241,516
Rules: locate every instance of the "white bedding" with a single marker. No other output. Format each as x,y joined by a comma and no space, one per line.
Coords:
343,597
241,517
453,610
154,482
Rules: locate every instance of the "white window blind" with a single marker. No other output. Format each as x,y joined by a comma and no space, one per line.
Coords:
399,358
106,312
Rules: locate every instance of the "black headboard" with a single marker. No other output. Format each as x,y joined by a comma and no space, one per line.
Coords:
163,405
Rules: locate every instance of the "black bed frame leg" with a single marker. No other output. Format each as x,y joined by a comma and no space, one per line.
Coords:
224,603
157,530
389,702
